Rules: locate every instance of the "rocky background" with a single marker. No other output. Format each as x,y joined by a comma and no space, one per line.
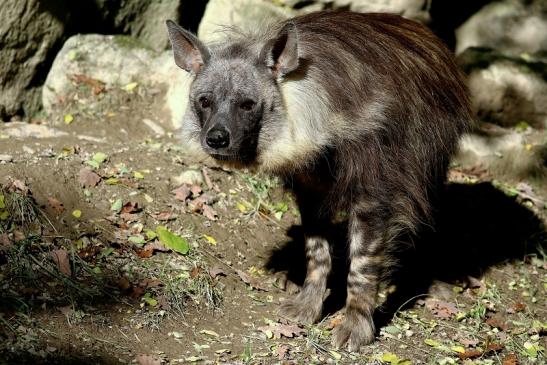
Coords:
116,246
501,45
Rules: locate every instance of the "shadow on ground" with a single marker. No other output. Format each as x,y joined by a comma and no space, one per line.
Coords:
477,226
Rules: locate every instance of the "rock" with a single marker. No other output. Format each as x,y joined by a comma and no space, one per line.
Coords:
29,36
505,153
413,9
116,61
510,26
6,158
26,130
145,20
244,14
507,90
189,177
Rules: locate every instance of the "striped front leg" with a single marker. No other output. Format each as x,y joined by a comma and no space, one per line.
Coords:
366,234
307,306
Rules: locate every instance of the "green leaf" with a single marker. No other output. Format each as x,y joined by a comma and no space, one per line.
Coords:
77,213
2,202
172,241
150,235
68,118
93,164
336,355
99,157
4,214
117,206
112,181
149,300
137,240
432,343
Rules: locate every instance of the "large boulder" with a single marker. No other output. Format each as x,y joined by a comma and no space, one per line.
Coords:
244,14
510,26
116,61
413,9
29,38
507,90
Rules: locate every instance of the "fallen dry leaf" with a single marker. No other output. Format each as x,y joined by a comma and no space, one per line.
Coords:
150,283
475,283
195,272
56,205
165,216
87,178
130,207
60,257
145,252
97,86
468,342
182,192
251,281
493,347
497,322
510,359
209,212
196,190
286,330
440,308
216,271
17,185
123,283
282,352
4,240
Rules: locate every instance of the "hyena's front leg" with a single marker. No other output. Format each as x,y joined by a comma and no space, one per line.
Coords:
307,306
366,234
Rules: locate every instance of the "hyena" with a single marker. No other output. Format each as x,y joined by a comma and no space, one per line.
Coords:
355,112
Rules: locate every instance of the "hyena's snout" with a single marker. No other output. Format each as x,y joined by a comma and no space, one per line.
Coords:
218,138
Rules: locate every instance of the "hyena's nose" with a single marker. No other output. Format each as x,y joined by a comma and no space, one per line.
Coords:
218,137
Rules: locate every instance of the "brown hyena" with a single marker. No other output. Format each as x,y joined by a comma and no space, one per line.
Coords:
355,112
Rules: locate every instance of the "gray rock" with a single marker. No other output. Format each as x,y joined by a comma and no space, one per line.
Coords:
145,20
510,26
507,90
26,130
413,9
507,153
28,35
245,14
116,61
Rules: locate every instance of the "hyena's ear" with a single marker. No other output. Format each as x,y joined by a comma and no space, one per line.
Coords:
281,53
190,53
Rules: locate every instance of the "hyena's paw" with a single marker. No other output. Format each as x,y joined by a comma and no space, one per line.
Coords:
283,282
355,330
306,307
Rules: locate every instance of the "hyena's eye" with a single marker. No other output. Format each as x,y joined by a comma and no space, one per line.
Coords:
247,105
204,102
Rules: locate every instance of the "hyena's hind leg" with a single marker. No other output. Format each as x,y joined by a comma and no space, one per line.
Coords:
366,249
307,305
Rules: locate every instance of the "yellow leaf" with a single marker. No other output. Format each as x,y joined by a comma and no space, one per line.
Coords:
242,208
148,198
335,355
138,175
432,343
458,349
130,87
210,239
68,118
209,333
77,213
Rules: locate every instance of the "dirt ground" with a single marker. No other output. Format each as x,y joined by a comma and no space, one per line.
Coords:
87,276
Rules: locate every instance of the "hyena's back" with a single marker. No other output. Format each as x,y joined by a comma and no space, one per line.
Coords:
389,99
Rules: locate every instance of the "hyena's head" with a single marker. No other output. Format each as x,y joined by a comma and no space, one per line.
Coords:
236,109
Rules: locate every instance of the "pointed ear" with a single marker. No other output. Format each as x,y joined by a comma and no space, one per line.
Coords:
190,54
281,53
